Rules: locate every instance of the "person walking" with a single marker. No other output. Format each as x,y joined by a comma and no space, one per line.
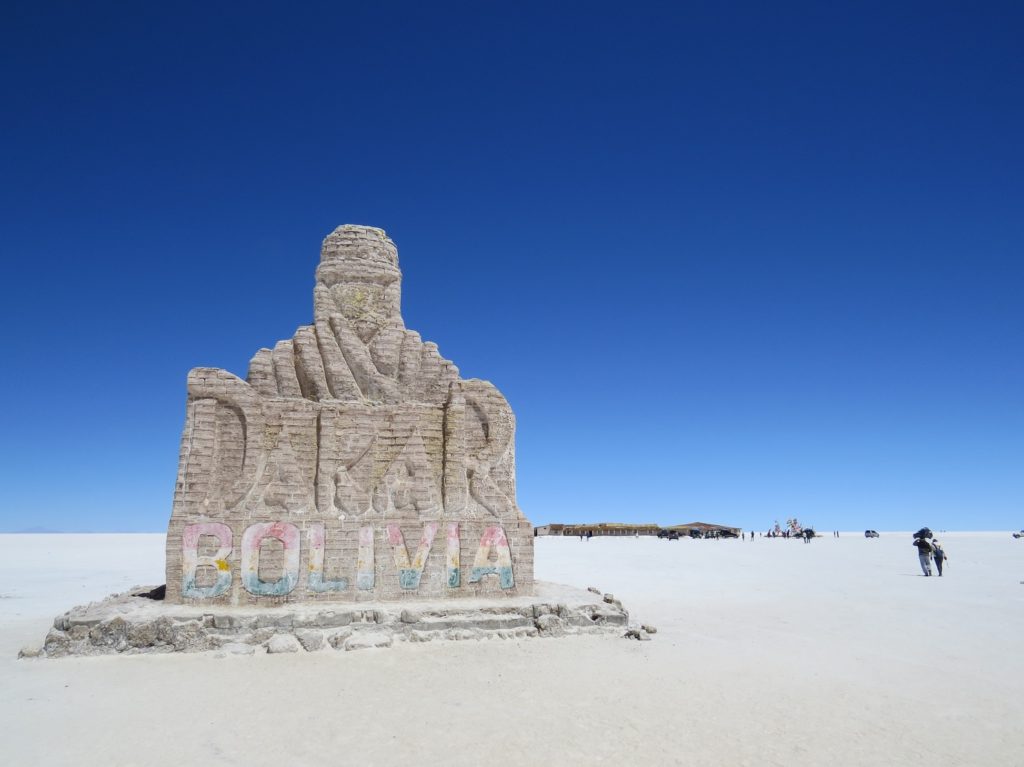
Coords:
938,554
924,555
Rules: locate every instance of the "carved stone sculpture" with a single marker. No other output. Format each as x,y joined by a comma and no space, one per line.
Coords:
330,471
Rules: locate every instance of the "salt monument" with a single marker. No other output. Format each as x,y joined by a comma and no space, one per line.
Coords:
352,464
353,491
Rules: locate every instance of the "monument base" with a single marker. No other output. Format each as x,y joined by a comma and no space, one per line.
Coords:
130,624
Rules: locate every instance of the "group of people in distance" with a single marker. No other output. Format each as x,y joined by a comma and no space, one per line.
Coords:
929,549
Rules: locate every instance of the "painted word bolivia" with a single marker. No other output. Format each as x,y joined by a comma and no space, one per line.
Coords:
305,481
409,574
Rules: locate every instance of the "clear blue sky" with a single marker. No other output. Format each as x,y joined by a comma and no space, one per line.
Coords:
728,261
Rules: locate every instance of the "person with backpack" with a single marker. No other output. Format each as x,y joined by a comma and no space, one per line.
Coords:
924,554
938,554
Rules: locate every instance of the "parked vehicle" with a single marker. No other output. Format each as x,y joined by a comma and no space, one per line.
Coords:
870,533
671,535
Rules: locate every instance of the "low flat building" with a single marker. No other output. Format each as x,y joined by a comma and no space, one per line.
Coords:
612,528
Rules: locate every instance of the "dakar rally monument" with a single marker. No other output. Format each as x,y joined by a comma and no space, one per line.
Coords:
352,464
352,492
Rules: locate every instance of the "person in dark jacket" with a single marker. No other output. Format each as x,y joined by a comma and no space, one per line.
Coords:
924,554
938,554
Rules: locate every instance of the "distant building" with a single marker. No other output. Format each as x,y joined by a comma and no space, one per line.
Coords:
695,529
600,528
706,530
552,529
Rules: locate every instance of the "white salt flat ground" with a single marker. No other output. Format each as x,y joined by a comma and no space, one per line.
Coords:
768,652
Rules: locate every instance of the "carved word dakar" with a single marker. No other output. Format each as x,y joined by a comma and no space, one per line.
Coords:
354,425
